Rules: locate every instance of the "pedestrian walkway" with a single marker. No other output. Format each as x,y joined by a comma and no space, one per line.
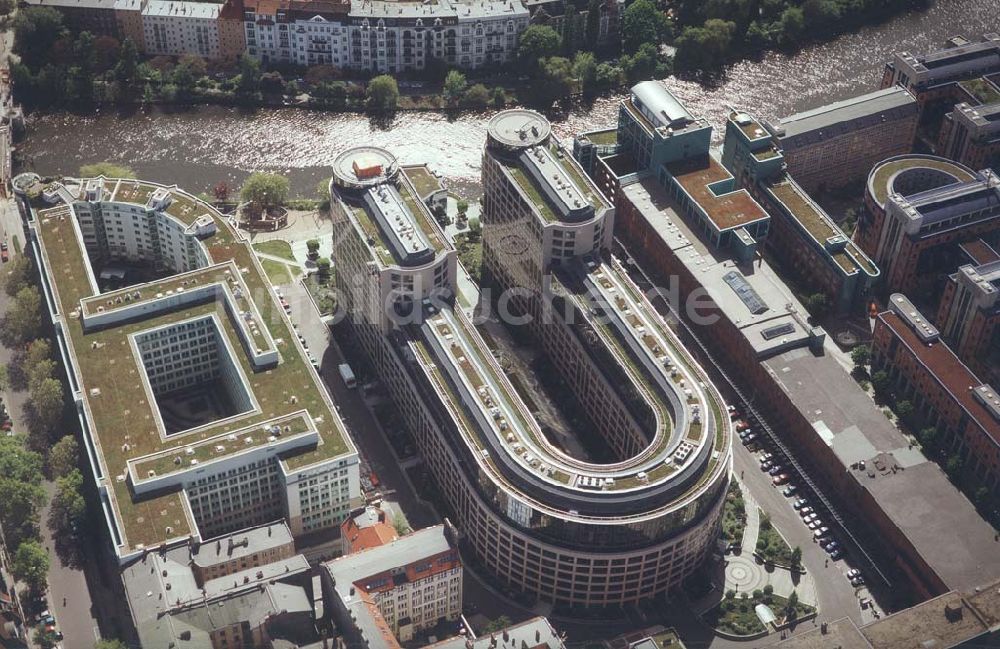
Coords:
752,529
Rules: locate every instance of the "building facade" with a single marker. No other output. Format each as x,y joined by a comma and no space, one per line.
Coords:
970,135
236,428
835,145
945,393
383,36
918,210
382,596
541,521
969,315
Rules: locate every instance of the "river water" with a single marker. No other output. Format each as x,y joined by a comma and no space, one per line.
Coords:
196,148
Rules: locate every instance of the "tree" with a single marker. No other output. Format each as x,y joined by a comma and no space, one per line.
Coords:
608,76
929,437
249,79
454,86
69,510
477,96
706,47
263,192
861,355
109,644
499,624
23,319
817,304
555,80
331,93
323,267
46,404
953,467
383,94
880,381
537,42
7,6
796,559
462,206
36,30
320,73
821,16
128,61
475,229
904,408
792,26
31,565
499,97
312,245
585,71
791,609
769,589
106,169
642,22
19,274
272,83
64,456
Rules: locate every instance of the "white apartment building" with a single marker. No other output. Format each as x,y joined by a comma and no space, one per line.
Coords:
172,28
385,36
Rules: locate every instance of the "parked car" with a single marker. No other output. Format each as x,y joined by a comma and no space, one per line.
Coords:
766,465
836,554
809,518
741,426
776,469
831,545
821,532
800,503
781,479
733,412
805,511
858,581
853,572
767,455
790,490
815,524
749,439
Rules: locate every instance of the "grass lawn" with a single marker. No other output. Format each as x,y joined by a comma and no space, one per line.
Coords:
734,515
771,545
275,247
277,272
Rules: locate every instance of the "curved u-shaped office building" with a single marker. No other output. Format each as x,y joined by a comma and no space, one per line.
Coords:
556,525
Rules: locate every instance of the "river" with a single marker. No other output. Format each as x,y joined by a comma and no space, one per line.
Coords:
196,148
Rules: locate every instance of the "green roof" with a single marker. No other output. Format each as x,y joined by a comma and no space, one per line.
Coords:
122,418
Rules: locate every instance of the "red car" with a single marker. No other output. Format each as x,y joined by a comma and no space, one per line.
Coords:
781,479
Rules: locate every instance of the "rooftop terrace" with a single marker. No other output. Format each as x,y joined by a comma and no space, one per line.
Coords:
121,418
569,173
883,175
726,211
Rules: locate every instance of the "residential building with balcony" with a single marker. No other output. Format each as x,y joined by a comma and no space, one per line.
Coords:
175,28
543,522
385,595
200,413
969,312
384,36
368,527
946,395
835,145
807,243
918,210
880,488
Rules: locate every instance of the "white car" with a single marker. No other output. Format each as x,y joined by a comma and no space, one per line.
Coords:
815,524
806,511
821,532
809,518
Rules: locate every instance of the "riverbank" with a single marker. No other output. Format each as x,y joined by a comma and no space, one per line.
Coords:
199,147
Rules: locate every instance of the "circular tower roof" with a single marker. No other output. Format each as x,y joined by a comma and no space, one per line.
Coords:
364,166
518,128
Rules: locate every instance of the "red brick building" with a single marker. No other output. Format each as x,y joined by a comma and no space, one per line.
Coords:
944,391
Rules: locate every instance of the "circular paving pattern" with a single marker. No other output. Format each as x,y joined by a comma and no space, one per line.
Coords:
743,574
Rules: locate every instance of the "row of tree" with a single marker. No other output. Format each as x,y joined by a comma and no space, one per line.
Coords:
712,32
